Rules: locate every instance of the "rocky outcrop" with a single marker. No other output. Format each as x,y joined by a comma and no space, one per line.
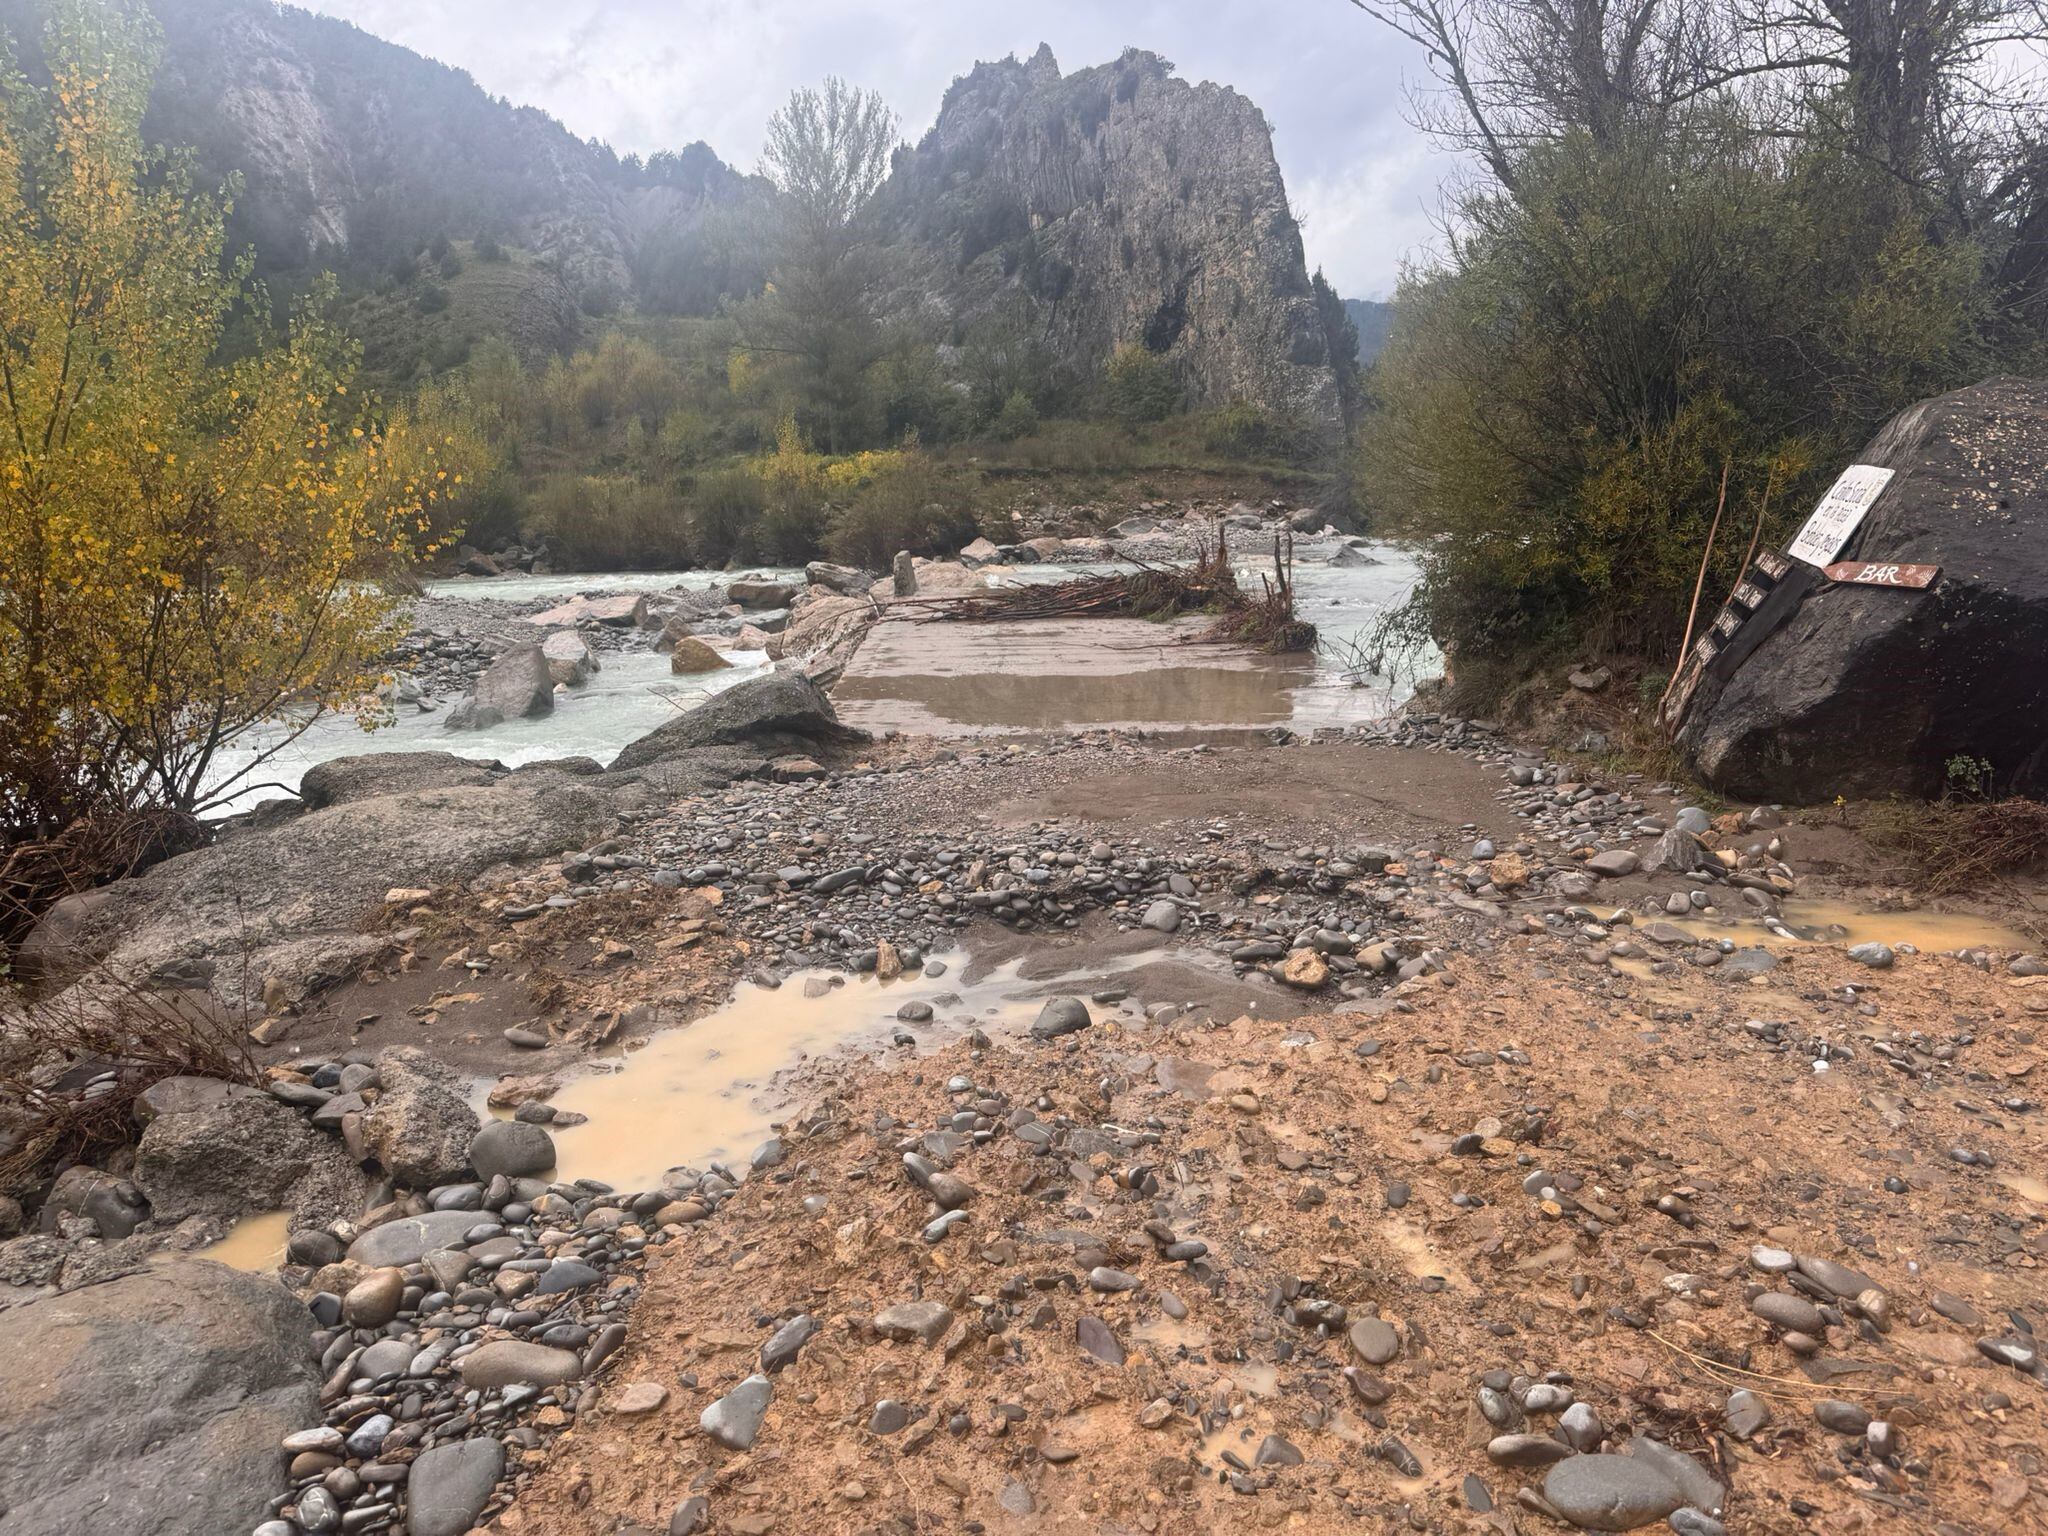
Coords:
1117,205
1874,691
286,900
242,1153
155,1402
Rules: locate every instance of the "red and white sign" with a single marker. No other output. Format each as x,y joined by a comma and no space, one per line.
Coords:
1874,573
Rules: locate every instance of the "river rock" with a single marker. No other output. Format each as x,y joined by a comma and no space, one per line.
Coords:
449,1486
570,659
1375,1340
624,610
374,1300
1604,1492
1060,1016
516,686
513,1362
691,656
410,1239
512,1149
421,1126
155,1402
1869,692
735,1419
845,580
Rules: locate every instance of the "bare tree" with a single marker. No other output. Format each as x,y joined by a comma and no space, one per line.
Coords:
1936,94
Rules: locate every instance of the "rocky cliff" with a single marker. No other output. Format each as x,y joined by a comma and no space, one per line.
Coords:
1116,205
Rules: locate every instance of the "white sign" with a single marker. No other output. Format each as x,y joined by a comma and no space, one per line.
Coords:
1839,514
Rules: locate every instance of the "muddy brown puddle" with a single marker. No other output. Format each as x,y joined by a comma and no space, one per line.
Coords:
712,1090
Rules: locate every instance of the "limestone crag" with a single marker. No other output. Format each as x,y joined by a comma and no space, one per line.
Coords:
1118,205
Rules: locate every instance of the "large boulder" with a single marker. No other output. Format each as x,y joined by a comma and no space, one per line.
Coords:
627,610
287,901
421,1126
762,593
1868,690
846,580
781,711
346,780
517,686
689,655
242,1153
570,658
155,1402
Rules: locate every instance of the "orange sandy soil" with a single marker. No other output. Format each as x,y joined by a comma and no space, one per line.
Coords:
1275,1147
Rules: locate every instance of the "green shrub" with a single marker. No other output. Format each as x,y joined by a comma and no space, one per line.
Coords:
1245,432
1140,386
432,299
603,522
1018,418
725,510
912,504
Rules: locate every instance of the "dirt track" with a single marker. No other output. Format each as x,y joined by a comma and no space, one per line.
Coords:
1759,1109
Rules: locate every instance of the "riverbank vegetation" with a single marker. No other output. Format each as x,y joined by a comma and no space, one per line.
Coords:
1697,241
195,506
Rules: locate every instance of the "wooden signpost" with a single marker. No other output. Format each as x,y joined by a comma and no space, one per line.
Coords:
1773,588
1866,573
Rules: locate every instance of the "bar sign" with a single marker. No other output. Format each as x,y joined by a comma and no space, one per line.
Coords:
1875,573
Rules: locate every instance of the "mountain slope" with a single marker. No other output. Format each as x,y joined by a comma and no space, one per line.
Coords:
1115,206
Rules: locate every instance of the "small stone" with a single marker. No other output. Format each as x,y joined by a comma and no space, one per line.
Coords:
374,1300
639,1397
1789,1313
1095,1336
512,1148
1375,1340
1580,1425
1843,1418
787,1341
735,1419
925,1321
447,1487
1745,1414
1306,969
1525,1450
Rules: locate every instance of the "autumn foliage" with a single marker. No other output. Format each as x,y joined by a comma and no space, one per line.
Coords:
196,513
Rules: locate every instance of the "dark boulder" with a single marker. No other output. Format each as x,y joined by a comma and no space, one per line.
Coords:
1872,691
781,711
155,1402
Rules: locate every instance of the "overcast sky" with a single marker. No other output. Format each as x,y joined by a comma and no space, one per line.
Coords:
656,74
